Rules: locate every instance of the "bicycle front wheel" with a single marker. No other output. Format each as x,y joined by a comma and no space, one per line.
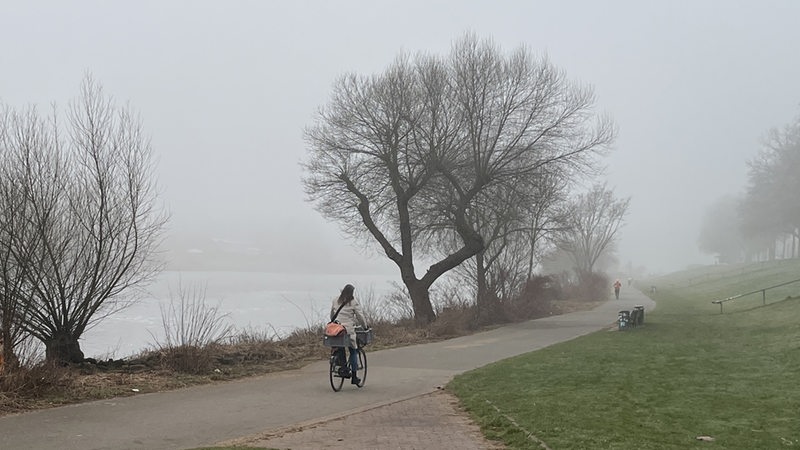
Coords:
362,366
336,379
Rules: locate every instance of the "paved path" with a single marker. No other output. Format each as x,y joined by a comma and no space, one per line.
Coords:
204,415
429,421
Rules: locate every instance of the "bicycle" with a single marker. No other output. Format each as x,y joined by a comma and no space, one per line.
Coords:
339,366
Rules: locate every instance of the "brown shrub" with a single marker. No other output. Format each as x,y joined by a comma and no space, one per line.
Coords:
455,320
593,287
534,301
35,381
188,359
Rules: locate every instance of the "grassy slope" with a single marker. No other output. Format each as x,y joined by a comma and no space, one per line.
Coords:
689,372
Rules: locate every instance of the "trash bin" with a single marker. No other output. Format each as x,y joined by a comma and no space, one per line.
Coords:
639,310
624,320
635,317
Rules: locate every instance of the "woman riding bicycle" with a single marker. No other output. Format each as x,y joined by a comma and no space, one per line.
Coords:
349,316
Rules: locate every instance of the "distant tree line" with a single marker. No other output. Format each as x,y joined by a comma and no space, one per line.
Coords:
467,161
763,223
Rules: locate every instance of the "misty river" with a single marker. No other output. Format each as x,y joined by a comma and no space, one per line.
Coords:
259,301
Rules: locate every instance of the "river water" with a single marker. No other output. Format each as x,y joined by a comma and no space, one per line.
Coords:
256,301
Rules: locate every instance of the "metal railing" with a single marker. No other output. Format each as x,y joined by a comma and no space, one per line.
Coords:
763,294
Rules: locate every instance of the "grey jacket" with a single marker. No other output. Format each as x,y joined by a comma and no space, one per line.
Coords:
350,315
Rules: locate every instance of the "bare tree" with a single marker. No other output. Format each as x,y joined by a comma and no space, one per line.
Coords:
20,133
770,210
544,215
721,231
589,231
92,217
404,156
495,217
514,222
11,276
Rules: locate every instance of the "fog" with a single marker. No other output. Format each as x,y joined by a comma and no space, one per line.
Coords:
225,88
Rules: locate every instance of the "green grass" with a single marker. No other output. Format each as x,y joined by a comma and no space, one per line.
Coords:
688,372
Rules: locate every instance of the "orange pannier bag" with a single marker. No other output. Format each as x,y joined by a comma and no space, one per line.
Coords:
334,329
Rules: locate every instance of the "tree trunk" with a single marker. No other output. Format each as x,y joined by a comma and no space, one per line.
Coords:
421,301
62,347
583,275
8,359
533,237
486,301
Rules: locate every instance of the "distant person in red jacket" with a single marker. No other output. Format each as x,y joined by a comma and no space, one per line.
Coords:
617,286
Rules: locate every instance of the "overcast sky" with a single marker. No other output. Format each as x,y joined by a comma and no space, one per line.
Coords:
225,88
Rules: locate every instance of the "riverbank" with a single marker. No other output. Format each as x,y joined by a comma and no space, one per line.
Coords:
249,355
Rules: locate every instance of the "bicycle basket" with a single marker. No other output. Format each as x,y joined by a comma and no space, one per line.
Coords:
364,337
336,341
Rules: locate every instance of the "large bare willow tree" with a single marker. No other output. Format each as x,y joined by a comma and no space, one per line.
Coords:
405,156
87,224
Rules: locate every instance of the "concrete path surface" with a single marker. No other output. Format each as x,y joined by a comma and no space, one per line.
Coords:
205,415
429,421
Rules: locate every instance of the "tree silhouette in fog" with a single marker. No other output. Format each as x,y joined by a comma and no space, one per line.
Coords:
405,158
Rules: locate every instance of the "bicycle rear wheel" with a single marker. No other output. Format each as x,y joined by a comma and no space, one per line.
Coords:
336,379
362,366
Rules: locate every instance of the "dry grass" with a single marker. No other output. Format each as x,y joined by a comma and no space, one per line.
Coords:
243,355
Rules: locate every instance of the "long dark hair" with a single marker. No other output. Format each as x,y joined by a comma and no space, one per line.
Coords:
347,294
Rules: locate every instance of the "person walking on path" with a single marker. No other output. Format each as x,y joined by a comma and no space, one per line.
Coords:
349,316
617,286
